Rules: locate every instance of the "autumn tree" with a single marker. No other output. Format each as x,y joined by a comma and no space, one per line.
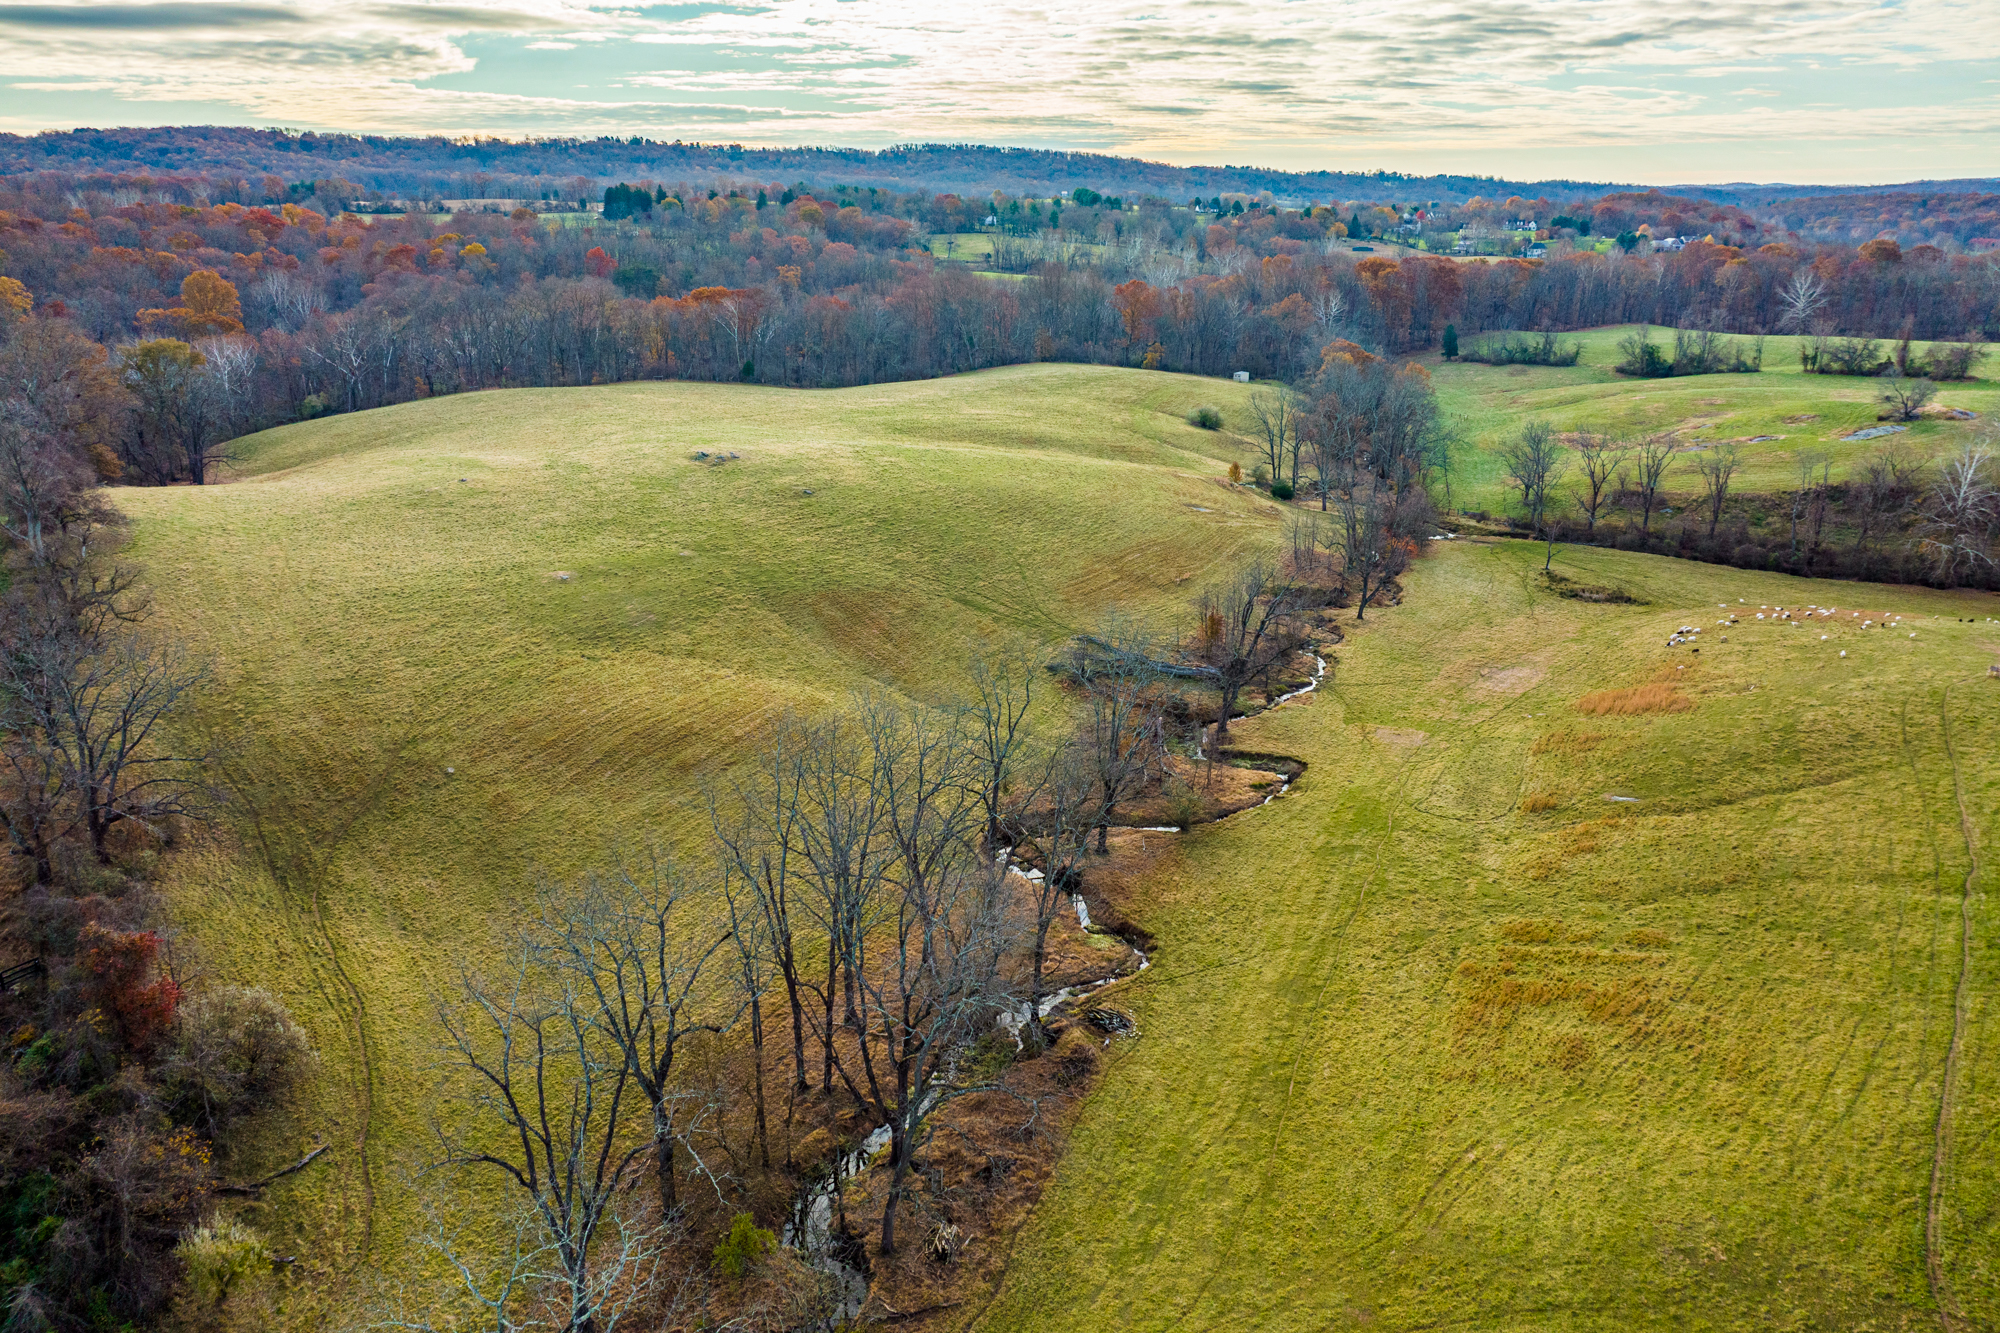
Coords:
209,307
164,378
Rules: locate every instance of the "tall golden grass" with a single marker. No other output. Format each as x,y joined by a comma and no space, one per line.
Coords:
1662,694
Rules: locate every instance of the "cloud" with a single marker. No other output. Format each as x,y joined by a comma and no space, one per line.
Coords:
1181,79
145,18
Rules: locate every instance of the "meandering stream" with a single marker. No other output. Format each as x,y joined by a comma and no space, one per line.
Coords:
810,1229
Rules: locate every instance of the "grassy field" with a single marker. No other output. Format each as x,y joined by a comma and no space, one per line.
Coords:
1412,1057
419,709
1491,402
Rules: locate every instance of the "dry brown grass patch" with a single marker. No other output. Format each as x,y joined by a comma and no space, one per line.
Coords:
1661,694
1537,801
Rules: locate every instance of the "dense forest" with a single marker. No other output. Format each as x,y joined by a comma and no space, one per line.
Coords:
205,319
444,167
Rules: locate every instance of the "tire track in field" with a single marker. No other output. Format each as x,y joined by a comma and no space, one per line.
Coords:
299,873
1950,1319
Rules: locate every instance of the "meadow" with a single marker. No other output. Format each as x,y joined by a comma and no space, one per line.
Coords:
1412,1053
1780,408
464,640
1511,1016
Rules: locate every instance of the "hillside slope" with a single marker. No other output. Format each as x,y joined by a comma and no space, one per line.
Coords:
461,640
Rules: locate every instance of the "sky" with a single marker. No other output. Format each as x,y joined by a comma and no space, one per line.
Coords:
1648,91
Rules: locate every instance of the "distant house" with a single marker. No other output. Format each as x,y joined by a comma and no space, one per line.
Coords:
1536,251
1669,243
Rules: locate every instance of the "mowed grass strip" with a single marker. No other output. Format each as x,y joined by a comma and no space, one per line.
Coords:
463,640
1514,1017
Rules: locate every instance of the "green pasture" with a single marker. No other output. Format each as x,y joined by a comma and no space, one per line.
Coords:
417,709
1491,402
1413,1058
460,640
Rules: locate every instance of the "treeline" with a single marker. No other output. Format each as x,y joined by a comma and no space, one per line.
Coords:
128,1074
211,321
1897,518
1933,215
441,166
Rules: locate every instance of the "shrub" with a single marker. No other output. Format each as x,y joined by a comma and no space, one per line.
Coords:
1236,473
1282,490
1696,352
1515,350
234,1052
120,977
1951,361
219,1254
1207,418
1851,356
743,1249
1906,399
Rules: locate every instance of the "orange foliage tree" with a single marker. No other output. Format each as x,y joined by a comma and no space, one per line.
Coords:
209,305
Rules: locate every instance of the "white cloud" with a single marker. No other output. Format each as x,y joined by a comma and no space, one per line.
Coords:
1184,79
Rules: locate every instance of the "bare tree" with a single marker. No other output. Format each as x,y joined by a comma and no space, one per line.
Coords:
1814,468
997,721
926,965
1801,298
1906,398
1961,514
1890,481
1652,456
1364,535
1065,811
506,1288
96,709
1244,627
1276,415
1121,733
225,386
841,851
1717,468
634,944
1535,463
759,845
45,489
1602,458
754,958
537,1068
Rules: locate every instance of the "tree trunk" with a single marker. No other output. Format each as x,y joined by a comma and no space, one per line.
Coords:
663,1166
798,1029
757,1046
896,1154
826,1031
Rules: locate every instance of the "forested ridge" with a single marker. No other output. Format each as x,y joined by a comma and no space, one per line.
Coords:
203,318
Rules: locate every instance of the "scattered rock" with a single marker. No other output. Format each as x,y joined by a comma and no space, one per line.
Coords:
1112,1022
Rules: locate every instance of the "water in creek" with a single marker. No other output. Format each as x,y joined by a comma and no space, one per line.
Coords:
811,1229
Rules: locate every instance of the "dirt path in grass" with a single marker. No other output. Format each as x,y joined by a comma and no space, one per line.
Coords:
1949,1317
